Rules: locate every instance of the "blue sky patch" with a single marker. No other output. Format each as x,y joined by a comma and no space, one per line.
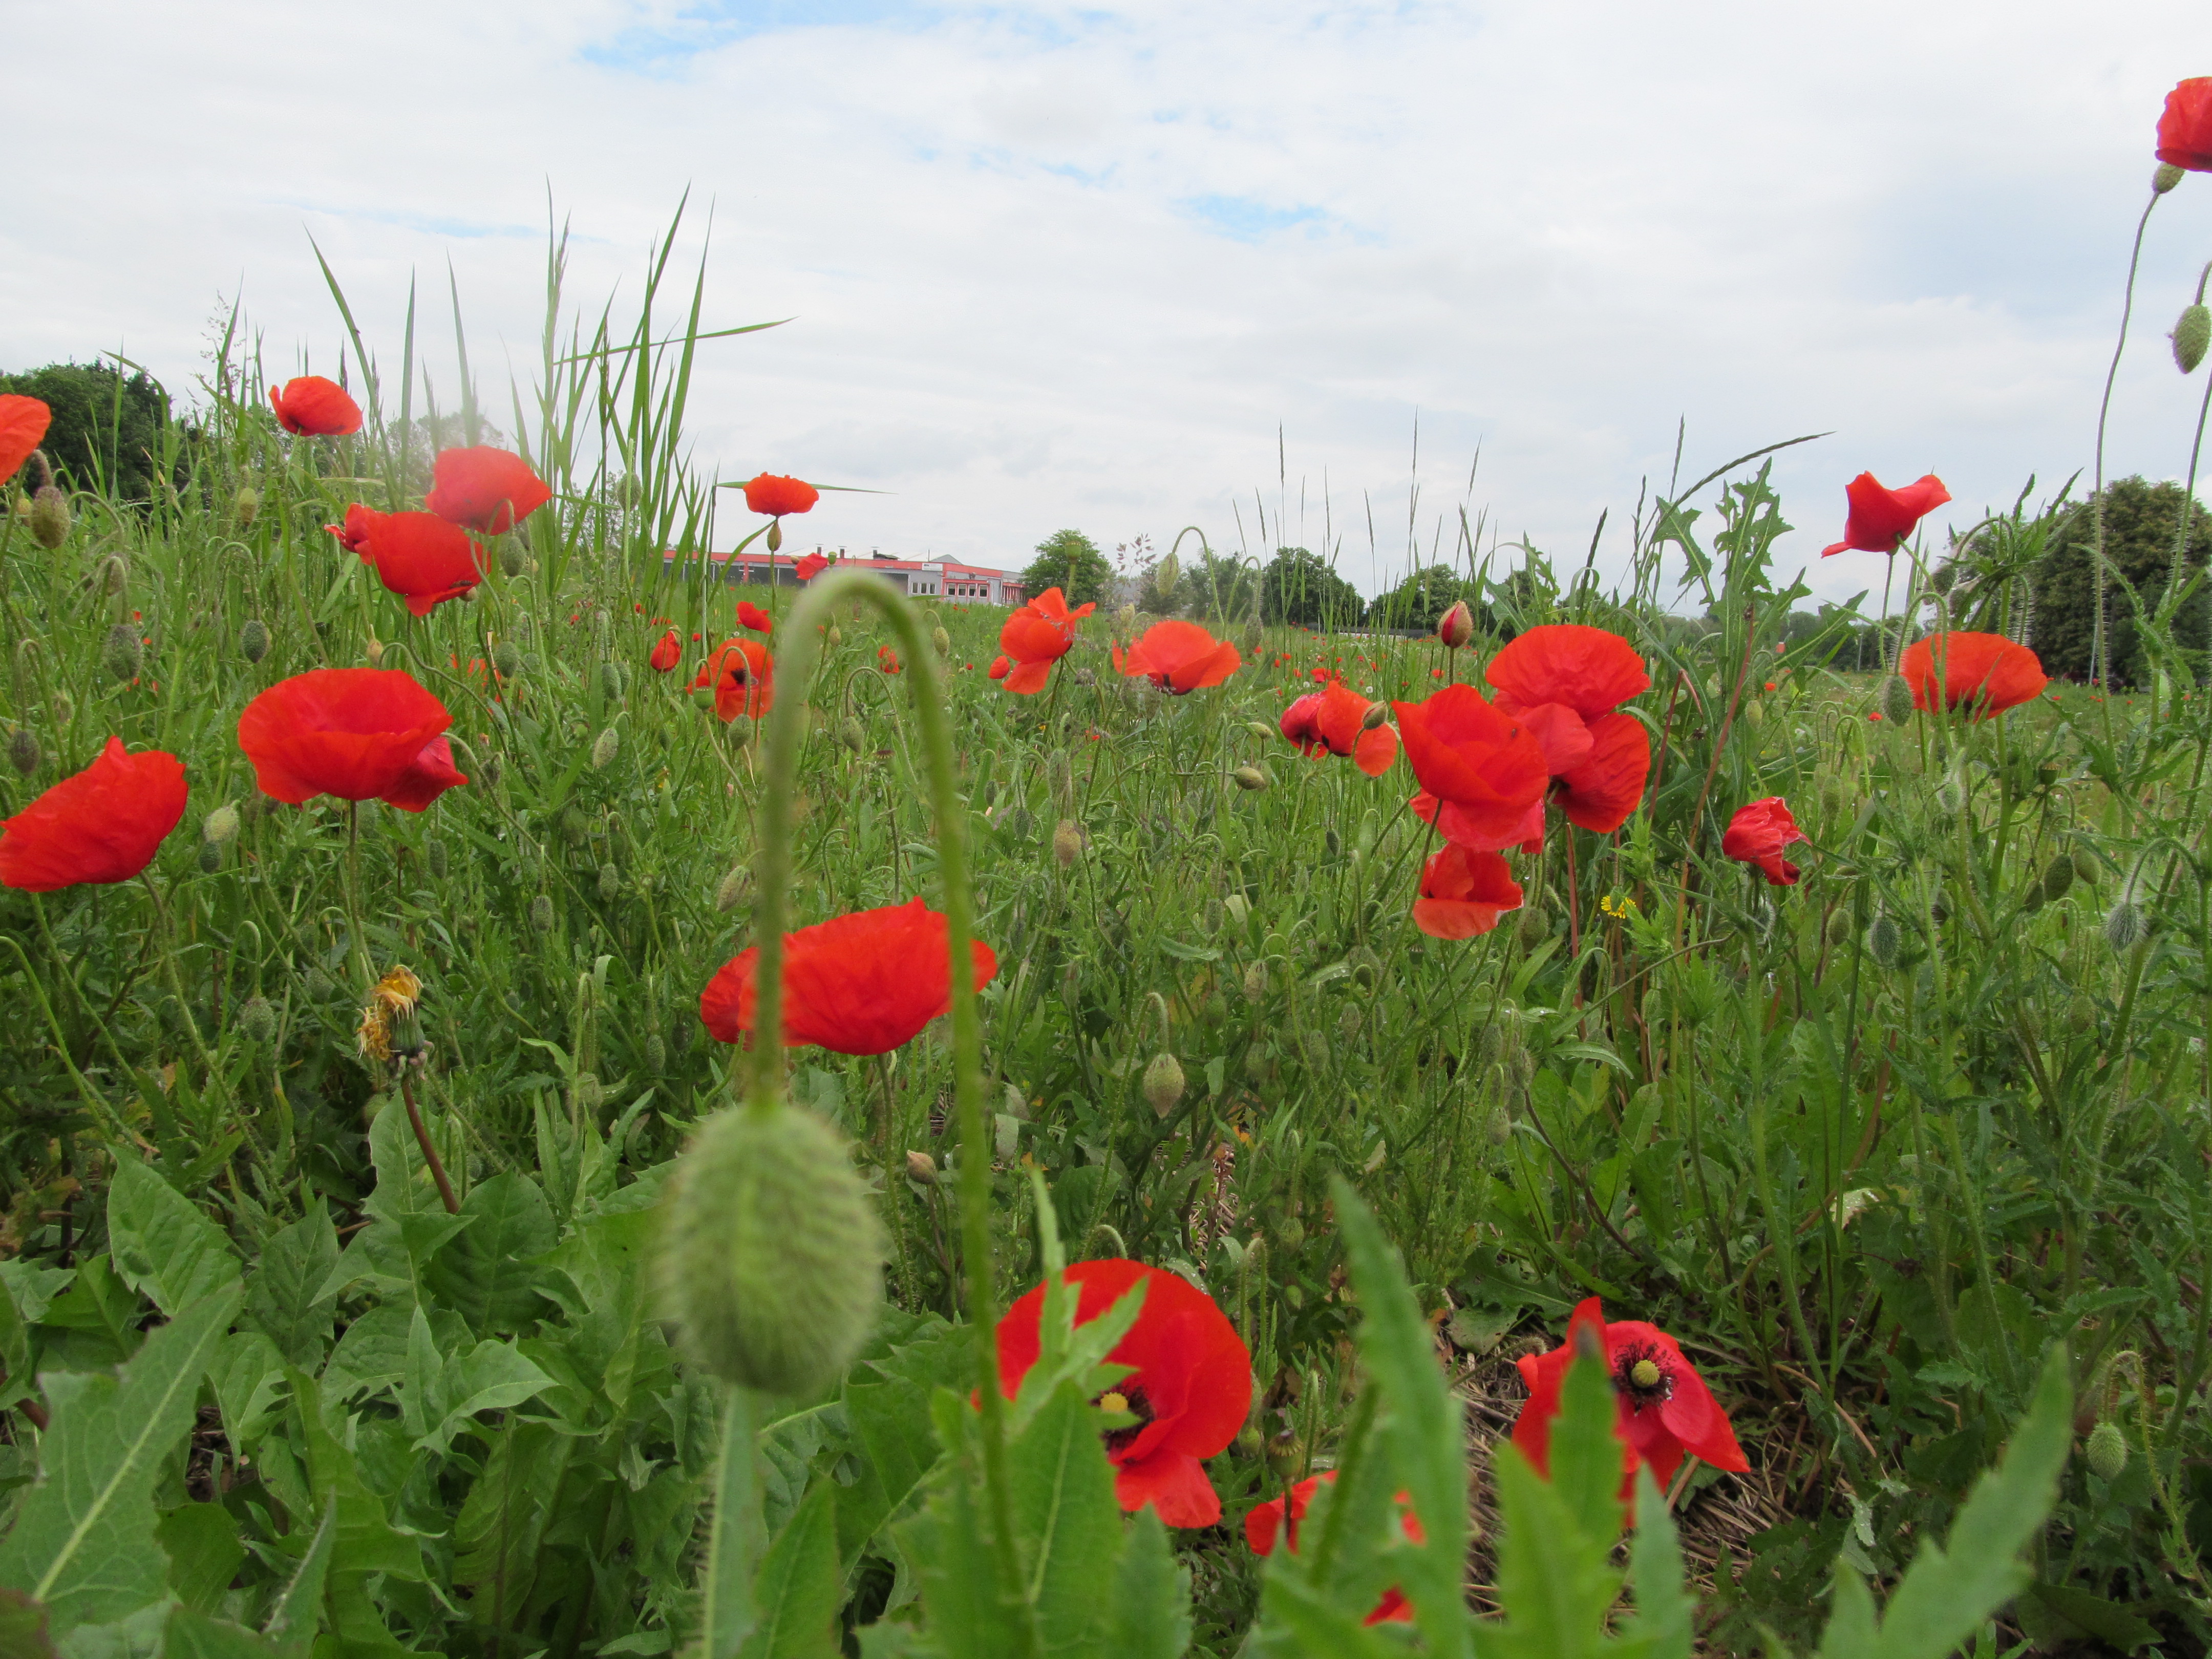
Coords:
1246,219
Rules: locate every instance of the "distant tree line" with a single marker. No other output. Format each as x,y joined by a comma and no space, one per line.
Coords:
113,432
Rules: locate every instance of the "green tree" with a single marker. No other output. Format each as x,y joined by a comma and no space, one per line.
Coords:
1070,561
109,431
2141,520
1421,599
1300,587
1215,588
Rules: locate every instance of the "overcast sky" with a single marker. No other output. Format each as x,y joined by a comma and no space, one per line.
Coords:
1054,266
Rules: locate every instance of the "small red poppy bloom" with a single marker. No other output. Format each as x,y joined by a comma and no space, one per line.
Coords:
810,566
312,407
1484,771
1038,635
102,824
1334,721
23,422
752,616
888,660
485,489
743,675
1001,667
1564,681
1987,673
1757,835
357,733
1263,1525
1880,519
667,651
1662,1407
775,496
1178,657
360,525
2185,129
1189,1390
1464,893
420,556
864,983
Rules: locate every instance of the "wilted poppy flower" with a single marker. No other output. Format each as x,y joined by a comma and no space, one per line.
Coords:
1000,666
860,984
357,733
360,525
419,557
776,495
1334,721
810,566
1038,635
2185,129
1985,673
1880,519
667,651
1463,893
1662,1407
23,422
1263,1525
485,489
752,616
1757,835
1485,774
888,660
1178,657
1189,1390
311,406
102,824
743,675
1563,682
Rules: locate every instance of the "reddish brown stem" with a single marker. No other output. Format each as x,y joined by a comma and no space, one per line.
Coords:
429,1152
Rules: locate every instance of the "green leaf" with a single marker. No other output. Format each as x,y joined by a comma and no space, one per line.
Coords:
22,1627
735,1543
287,1298
490,1378
103,1309
797,1594
205,1553
248,1374
1148,1616
489,1273
16,1379
1662,1627
1303,1623
372,1353
163,1243
192,1634
504,1518
1068,1520
291,1622
83,1542
365,1541
2108,1621
1586,1451
1553,1579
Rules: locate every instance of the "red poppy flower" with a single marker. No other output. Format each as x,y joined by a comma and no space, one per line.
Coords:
23,422
360,525
485,489
752,616
1334,722
2185,129
1263,1525
102,824
1563,683
1178,657
743,675
888,660
357,733
1001,667
419,557
810,566
667,651
1463,893
859,984
311,406
1664,1408
1757,835
1984,672
775,496
1880,519
1189,1390
1485,772
1038,635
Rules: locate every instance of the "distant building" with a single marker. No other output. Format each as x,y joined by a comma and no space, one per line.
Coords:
946,580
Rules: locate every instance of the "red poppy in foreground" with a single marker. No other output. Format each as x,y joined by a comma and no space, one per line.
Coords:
743,675
1001,667
752,616
667,651
1263,1525
775,496
1334,721
23,422
860,984
2185,129
485,489
1564,681
1987,673
418,556
1188,1392
312,407
1178,657
102,824
1036,636
1757,835
357,733
1483,774
1880,519
810,566
1662,1407
1464,893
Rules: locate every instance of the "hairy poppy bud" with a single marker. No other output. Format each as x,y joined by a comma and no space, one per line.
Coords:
1163,1083
1059,774
1066,843
611,680
1376,714
258,1019
656,1056
1165,574
507,659
575,828
775,536
374,650
942,641
121,654
835,636
1839,928
316,985
1456,626
211,857
541,914
1884,941
221,826
1951,794
491,771
2085,867
2124,925
364,815
772,1253
435,856
852,735
921,1168
253,639
605,748
2080,1012
245,507
512,561
2057,877
2107,1451
610,883
1831,796
1249,777
733,889
1534,924
1256,638
2190,336
590,1094
23,751
1896,699
2165,177
1754,714
50,516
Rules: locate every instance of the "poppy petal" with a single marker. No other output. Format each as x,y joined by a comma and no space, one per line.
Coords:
1174,1484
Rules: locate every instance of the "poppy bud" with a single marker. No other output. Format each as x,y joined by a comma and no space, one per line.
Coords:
1831,796
253,639
507,659
1059,774
2163,178
2057,877
1456,626
512,561
835,636
921,1168
23,751
1376,714
221,826
1839,928
942,641
852,735
2085,867
373,651
541,914
733,889
1754,714
1884,941
2081,1013
610,883
491,771
605,748
121,654
1163,1083
611,680
656,1056
316,985
49,517
1951,794
1249,777
210,858
2124,925
258,1019
1533,926
772,1254
775,536
590,1093
1896,699
2190,336
1332,843
1256,638
575,828
1066,843
1499,1127
435,856
2107,1451
364,816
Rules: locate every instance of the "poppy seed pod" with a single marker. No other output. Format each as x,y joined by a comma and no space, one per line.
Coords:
258,1019
1249,777
2190,336
121,654
512,561
1163,1083
772,1253
1896,700
2057,877
610,883
2165,177
253,639
1066,843
23,751
2124,925
220,827
541,914
507,659
435,856
1884,941
2107,1451
49,517
605,748
733,889
1456,626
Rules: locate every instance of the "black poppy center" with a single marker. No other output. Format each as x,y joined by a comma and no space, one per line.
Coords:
1127,1395
1643,1374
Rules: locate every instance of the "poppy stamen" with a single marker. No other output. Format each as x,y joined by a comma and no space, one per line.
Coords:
1129,1397
1639,1374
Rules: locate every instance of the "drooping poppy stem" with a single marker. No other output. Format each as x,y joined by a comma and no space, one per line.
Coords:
2099,669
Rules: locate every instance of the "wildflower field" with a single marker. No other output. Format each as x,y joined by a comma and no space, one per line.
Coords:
1282,1142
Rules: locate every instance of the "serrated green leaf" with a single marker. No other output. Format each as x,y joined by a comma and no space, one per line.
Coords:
736,1539
1554,1580
248,1374
162,1242
1067,1518
796,1595
489,1273
192,1633
503,1520
291,1622
201,1540
1662,1627
1149,1614
1586,1451
286,1298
